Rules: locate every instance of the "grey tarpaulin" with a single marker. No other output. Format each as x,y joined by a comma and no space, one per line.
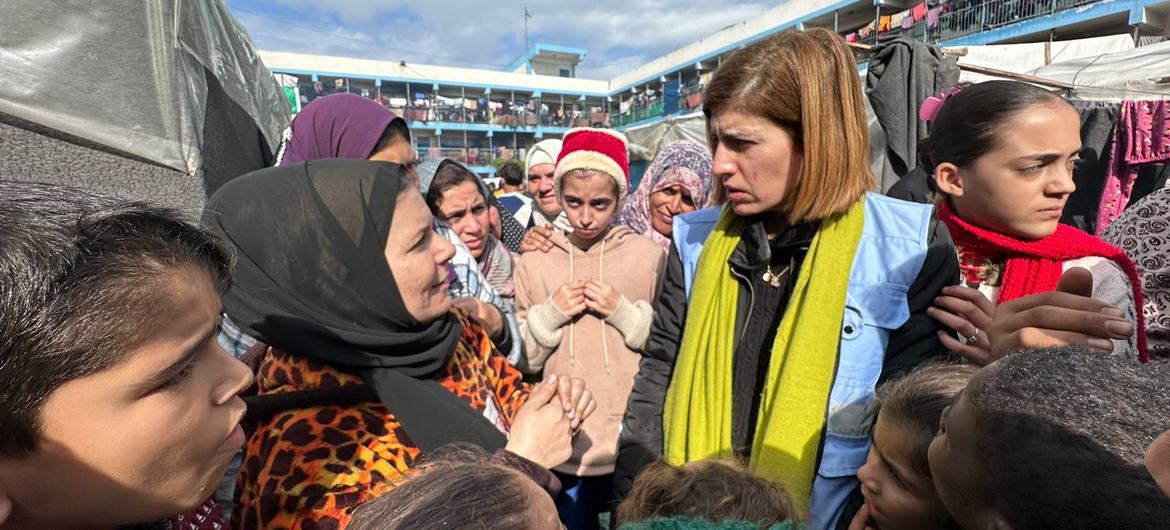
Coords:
902,73
646,141
146,99
1140,73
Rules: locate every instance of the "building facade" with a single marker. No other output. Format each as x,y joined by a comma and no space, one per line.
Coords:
482,116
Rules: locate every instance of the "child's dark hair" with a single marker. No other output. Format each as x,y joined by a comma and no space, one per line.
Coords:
511,173
1061,433
916,402
713,490
968,124
450,490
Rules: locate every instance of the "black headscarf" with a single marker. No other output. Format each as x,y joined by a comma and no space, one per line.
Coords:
311,278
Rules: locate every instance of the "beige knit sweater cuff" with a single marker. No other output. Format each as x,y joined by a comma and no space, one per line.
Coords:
545,322
633,321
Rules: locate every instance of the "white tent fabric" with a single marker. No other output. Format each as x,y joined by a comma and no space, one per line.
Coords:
130,75
1140,73
1027,58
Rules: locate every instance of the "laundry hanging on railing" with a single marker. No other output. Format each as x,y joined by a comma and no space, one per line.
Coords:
918,12
865,30
933,16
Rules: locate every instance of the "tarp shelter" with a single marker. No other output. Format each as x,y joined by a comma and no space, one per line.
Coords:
1028,58
148,99
1139,73
645,141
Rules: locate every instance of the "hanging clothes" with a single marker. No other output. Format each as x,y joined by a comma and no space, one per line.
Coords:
908,21
884,24
919,12
1098,121
1142,137
902,74
932,17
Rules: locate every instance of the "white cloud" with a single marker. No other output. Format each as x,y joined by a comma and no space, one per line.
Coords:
618,34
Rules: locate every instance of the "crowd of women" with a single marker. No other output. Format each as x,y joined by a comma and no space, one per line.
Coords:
751,338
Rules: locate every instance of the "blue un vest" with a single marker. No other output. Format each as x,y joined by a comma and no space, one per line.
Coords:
889,258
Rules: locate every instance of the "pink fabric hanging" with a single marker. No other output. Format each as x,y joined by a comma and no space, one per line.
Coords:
1142,137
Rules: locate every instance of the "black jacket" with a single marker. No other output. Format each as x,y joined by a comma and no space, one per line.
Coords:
641,440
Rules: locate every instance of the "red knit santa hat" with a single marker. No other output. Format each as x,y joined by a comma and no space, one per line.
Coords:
603,150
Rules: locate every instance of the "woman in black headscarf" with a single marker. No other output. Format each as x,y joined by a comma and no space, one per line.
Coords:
363,365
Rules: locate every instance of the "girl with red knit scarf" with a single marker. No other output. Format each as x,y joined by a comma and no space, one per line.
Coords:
1003,154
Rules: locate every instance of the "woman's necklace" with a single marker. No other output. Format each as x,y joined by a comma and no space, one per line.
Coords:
776,279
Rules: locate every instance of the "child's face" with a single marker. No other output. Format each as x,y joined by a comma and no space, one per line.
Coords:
147,438
590,201
954,463
1021,187
898,496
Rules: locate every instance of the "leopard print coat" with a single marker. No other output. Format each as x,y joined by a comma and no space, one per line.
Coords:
309,469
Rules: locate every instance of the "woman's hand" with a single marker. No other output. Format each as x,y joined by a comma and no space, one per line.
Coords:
601,298
570,299
537,238
576,400
1068,315
542,431
968,313
487,314
861,520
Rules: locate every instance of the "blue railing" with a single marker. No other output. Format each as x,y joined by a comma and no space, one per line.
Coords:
968,17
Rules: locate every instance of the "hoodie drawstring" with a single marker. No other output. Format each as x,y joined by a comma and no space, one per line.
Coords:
572,324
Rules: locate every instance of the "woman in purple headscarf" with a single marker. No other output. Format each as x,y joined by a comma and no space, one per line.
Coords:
350,126
678,181
346,126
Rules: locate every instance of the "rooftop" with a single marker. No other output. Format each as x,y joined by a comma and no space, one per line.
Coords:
549,52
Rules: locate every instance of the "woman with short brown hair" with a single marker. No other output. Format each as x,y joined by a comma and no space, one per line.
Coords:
797,296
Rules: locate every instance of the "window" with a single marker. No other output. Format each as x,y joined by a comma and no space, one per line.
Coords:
565,73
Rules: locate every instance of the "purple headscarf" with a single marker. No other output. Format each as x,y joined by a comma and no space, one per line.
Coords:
336,126
683,162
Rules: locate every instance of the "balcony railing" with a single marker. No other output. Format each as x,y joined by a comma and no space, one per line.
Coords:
965,17
472,156
507,114
637,114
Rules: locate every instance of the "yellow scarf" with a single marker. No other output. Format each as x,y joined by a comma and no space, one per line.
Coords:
697,415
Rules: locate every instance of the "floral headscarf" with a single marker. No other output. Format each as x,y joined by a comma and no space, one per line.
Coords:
683,162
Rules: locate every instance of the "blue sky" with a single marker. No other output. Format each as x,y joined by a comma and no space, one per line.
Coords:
619,34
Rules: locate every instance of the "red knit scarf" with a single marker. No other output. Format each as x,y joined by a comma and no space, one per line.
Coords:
1032,267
